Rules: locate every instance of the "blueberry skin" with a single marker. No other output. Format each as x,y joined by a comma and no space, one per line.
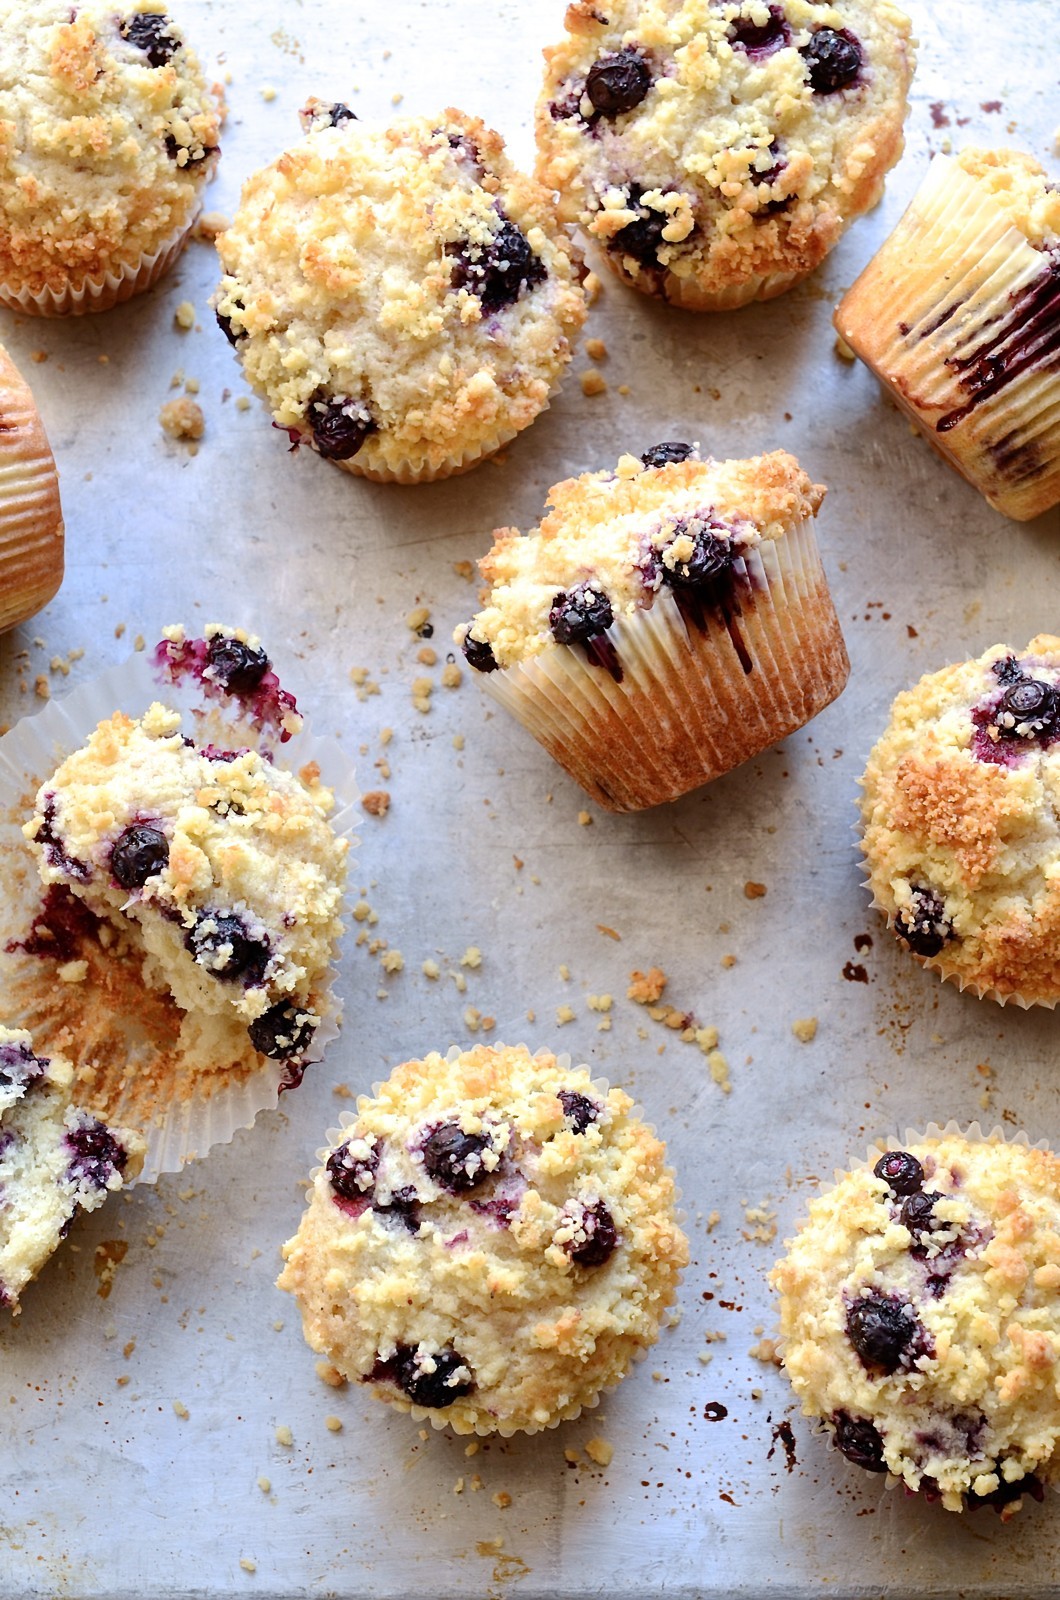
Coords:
618,82
833,60
881,1331
140,852
900,1171
453,1158
278,1034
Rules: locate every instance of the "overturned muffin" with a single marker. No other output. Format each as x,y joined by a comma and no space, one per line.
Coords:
665,622
223,863
402,298
32,547
490,1243
55,1160
960,833
717,151
920,1317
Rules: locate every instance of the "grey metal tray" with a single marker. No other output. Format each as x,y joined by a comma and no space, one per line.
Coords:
105,1490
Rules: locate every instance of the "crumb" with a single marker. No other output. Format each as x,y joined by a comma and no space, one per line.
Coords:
265,1484
805,1029
333,1424
705,1357
646,987
38,356
422,689
502,1500
584,819
431,969
184,315
563,1014
472,956
593,382
564,972
599,1002
472,1449
593,287
754,891
766,1351
763,1224
624,390
572,1456
458,1486
719,1071
417,621
600,1451
182,419
181,1410
458,741
209,225
362,911
42,687
465,570
427,656
452,677
596,349
712,1221
472,1019
268,93
72,972
842,349
393,961
376,802
284,1435
139,642
191,386
343,1092
248,1565
242,402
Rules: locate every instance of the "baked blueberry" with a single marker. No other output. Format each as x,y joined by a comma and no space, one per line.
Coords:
193,154
498,272
579,614
150,32
234,665
19,1067
339,113
221,942
95,1153
618,82
225,325
882,1330
711,558
138,854
661,455
281,1032
340,425
759,39
403,1206
453,1158
923,925
578,1110
599,1236
1007,670
1028,709
640,239
859,1441
479,654
900,1171
353,1177
918,1215
833,60
438,1388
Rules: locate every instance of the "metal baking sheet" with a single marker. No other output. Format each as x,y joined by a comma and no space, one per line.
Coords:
106,1490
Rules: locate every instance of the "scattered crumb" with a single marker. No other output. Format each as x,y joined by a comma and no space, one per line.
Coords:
72,972
766,1351
584,819
422,689
265,1484
184,315
242,402
728,961
431,969
600,1451
465,570
452,677
472,956
393,961
181,1410
139,642
762,1224
182,419
805,1029
601,927
333,1424
843,350
647,987
268,93
754,891
719,1071
38,356
209,225
376,802
284,1435
593,382
596,349
427,656
458,741
502,1500
564,1014
472,1449
417,621
599,1002
572,1456
594,288
248,1565
42,687
712,1221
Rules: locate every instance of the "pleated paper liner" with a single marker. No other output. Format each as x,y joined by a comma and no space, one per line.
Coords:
87,294
31,518
441,1420
696,697
958,315
186,1083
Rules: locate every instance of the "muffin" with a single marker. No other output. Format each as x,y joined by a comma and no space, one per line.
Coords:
490,1243
717,149
921,1322
960,834
55,1160
665,622
401,298
958,315
31,517
109,136
220,864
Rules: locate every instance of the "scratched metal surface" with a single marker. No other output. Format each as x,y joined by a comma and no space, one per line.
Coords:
104,1489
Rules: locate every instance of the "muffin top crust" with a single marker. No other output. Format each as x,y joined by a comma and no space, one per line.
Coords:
107,133
490,1242
1021,186
960,802
716,142
399,296
921,1319
611,542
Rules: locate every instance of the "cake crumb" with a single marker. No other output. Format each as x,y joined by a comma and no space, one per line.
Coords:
563,1014
248,1565
431,969
184,315
712,1221
805,1029
599,1002
843,350
647,987
333,1424
593,382
754,891
584,819
42,687
284,1435
572,1456
376,802
728,961
609,933
596,349
600,1451
330,1375
181,1410
265,1484
594,288
458,1486
766,1351
422,689
502,1500
472,957
418,621
268,93
38,356
209,225
719,1071
762,1223
392,961
72,972
242,402
465,570
182,419
452,677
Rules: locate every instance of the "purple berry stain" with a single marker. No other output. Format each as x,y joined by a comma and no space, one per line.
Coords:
760,39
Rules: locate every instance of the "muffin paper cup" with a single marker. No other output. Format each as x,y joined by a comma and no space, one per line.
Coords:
686,710
177,1130
31,518
120,283
957,289
422,1413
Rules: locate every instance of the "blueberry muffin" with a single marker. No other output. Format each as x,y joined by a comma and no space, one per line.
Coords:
921,1321
490,1243
665,621
31,517
55,1160
222,863
958,315
959,809
109,136
401,298
717,149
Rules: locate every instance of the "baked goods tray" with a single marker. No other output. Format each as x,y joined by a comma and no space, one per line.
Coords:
139,1444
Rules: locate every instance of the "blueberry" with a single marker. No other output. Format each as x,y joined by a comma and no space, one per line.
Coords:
618,82
1007,670
923,925
760,39
833,60
498,271
139,853
579,1111
340,425
338,114
479,654
900,1171
1028,709
403,1206
434,1389
640,239
917,1214
281,1032
453,1158
96,1154
194,154
599,1237
221,943
881,1330
19,1067
149,32
234,665
711,558
351,1176
1006,1492
859,1441
225,325
579,614
661,455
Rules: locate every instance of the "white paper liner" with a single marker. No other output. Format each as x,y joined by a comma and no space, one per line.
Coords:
29,753
686,711
119,283
31,519
386,1393
937,290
